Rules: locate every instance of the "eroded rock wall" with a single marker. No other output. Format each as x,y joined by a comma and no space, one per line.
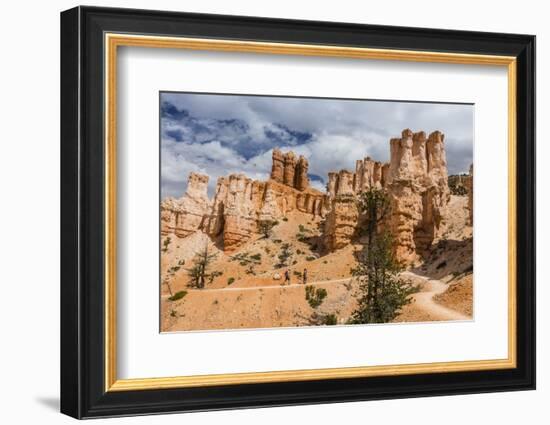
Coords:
343,188
290,170
341,222
186,215
240,203
418,191
415,181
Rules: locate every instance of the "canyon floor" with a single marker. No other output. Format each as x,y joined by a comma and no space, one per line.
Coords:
248,291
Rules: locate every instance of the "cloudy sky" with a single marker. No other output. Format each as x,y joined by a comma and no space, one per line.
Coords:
223,134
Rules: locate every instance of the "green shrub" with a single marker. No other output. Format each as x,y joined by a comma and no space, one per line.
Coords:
178,296
230,281
214,275
248,261
166,243
314,296
265,227
302,237
285,254
310,258
330,320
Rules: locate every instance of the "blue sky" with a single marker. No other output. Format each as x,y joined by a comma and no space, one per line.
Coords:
223,134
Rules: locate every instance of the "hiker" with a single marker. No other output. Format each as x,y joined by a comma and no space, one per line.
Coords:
287,277
304,277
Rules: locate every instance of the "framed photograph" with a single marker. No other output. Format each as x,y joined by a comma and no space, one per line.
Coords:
261,212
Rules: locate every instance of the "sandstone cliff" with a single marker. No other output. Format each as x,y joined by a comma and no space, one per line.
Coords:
185,215
289,170
240,203
418,191
341,222
415,180
343,188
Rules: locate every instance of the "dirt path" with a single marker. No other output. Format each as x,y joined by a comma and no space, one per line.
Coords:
256,288
424,300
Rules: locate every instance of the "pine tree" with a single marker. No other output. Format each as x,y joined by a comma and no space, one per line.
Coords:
199,273
285,255
265,227
382,293
170,274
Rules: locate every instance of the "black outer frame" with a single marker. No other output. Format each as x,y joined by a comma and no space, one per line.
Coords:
82,220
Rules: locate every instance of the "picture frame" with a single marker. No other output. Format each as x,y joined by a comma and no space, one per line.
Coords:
90,40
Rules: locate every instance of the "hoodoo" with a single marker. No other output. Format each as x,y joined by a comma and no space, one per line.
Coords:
240,203
415,180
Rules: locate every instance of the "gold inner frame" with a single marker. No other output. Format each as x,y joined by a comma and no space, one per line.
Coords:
113,41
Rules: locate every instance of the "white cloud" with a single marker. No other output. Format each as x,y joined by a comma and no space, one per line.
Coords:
339,131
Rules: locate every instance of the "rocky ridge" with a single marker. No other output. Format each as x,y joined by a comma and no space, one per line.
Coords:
240,203
415,179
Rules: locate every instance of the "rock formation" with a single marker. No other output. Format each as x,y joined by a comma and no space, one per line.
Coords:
301,180
342,218
368,173
469,185
343,188
277,166
341,222
240,203
185,215
234,209
418,192
289,170
415,181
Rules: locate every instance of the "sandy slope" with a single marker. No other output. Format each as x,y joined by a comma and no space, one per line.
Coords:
253,307
424,304
459,295
257,299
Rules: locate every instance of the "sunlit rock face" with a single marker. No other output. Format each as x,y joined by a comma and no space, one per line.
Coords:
341,222
289,170
240,203
186,215
418,190
415,180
